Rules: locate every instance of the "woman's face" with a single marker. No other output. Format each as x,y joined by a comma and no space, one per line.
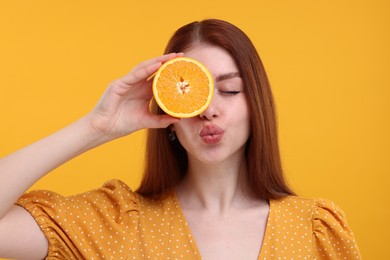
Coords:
222,130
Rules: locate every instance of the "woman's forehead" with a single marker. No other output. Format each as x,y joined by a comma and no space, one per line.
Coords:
215,58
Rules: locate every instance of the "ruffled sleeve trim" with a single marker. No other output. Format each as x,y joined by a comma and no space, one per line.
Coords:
39,208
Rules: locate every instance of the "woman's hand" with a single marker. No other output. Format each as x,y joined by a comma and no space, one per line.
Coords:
124,107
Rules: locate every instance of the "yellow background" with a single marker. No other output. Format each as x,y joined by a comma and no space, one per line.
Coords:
328,62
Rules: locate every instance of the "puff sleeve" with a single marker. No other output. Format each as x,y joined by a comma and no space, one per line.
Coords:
333,238
77,226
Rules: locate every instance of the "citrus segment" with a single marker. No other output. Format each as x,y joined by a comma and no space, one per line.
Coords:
183,87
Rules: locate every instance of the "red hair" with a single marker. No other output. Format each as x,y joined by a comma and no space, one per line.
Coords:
166,161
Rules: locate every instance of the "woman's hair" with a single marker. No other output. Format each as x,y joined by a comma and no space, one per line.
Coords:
166,161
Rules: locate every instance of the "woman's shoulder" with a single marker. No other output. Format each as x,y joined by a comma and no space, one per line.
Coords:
113,194
302,204
317,209
111,210
322,221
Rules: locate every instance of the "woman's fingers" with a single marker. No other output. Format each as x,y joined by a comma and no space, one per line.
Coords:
145,69
162,59
159,121
139,74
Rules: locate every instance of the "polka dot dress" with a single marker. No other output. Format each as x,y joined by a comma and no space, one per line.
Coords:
113,222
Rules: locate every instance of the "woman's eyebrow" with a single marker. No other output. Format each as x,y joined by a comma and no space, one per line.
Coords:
226,76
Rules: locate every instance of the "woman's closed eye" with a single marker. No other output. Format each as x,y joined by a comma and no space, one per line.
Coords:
229,92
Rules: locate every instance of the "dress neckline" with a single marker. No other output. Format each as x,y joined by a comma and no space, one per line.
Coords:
191,238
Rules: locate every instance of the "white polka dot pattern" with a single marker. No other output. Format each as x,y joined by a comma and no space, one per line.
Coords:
299,228
113,222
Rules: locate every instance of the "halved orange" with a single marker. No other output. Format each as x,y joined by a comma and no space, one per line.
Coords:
183,87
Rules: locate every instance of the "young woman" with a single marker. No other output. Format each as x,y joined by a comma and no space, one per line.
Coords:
213,187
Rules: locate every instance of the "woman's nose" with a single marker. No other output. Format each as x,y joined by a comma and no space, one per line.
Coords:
211,111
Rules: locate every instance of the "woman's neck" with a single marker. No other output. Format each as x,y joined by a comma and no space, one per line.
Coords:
215,187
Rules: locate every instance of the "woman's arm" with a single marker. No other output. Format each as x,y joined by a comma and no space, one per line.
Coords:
23,168
122,110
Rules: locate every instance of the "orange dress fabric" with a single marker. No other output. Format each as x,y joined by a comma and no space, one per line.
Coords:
113,222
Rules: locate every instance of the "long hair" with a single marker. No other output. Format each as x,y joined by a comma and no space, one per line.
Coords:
166,161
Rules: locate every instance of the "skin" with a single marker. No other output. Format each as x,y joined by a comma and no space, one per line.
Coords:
226,221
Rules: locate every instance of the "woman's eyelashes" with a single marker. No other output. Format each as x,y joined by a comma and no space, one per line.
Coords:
229,92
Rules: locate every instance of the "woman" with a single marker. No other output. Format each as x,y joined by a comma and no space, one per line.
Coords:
213,187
